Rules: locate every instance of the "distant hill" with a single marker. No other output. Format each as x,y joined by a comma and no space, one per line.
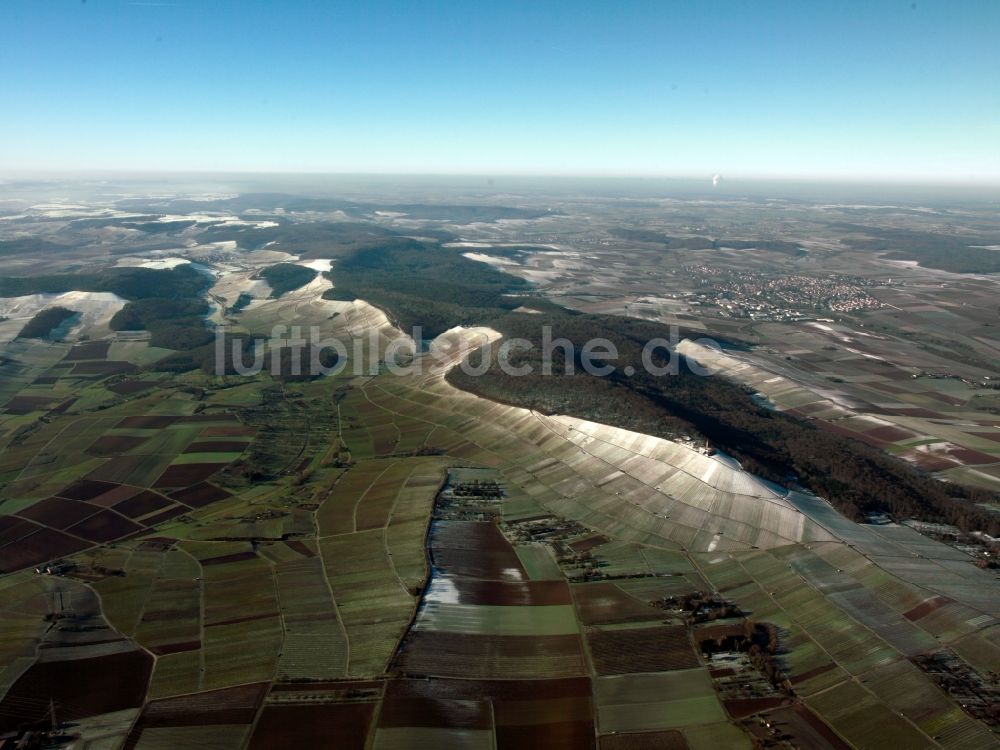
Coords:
424,284
328,239
704,243
943,252
129,283
168,303
30,246
460,213
287,277
45,322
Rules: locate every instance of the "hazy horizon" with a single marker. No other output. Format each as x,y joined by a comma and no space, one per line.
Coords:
496,189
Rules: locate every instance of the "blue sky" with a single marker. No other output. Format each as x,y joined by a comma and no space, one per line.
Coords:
855,90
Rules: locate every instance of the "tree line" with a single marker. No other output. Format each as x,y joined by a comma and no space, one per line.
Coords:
856,478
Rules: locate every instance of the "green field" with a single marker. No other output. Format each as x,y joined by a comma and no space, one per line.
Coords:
633,703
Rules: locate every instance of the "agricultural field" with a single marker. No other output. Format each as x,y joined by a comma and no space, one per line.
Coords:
379,559
942,425
454,579
480,614
371,543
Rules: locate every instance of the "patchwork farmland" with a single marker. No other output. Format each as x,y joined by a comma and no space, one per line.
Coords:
528,580
381,560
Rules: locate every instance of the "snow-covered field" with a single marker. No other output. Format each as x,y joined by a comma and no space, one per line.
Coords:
155,263
491,259
96,309
318,264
